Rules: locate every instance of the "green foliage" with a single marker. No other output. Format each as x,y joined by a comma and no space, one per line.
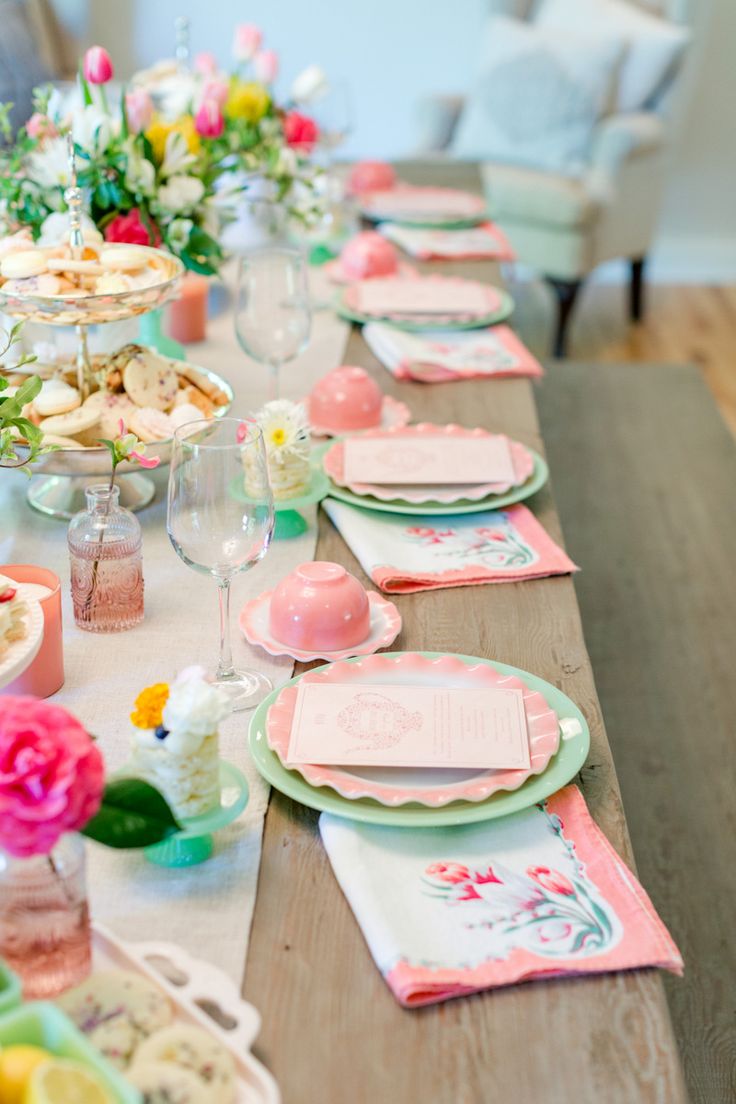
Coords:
132,814
11,414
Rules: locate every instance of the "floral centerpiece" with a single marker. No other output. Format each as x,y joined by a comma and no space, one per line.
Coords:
156,170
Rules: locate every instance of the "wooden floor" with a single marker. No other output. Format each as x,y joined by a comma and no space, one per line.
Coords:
683,325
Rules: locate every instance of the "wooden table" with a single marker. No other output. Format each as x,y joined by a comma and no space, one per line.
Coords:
332,1032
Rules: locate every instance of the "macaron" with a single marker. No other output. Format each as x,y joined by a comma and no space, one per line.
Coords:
185,413
151,425
47,284
56,397
124,258
27,262
150,380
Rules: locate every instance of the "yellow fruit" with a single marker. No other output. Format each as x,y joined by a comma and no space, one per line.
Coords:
60,1082
17,1063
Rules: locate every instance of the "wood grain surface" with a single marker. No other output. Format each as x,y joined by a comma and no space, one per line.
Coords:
331,1029
654,524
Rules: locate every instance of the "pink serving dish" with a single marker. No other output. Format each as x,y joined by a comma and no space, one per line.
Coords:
320,606
346,398
367,255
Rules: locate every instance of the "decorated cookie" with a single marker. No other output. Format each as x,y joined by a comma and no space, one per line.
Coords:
151,425
56,397
151,381
193,1049
28,262
79,423
110,409
138,1006
60,442
46,284
164,1083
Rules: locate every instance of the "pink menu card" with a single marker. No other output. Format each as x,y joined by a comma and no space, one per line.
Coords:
409,726
424,459
398,296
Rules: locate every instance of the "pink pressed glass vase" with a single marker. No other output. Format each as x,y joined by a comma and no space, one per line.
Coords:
44,918
106,563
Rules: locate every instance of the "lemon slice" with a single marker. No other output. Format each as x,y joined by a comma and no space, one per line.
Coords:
17,1063
62,1082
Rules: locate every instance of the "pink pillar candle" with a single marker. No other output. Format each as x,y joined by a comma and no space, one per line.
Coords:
45,675
188,313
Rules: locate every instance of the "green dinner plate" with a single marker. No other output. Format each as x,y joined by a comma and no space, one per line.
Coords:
562,768
502,312
534,483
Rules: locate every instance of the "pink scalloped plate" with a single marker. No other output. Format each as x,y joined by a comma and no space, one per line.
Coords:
430,203
522,459
385,627
394,414
492,296
394,786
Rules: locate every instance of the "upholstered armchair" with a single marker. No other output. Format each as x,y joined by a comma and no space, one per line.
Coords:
565,226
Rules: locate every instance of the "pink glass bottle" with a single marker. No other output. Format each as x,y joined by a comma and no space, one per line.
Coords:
106,563
44,918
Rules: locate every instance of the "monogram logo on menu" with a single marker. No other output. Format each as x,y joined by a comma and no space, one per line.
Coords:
377,721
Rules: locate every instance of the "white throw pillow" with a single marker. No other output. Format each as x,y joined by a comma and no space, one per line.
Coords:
537,97
653,44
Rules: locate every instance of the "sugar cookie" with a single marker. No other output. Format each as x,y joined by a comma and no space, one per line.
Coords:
124,258
150,380
110,409
194,1049
70,264
56,397
164,1083
77,423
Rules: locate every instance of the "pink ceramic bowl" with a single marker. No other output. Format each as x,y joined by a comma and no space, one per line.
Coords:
346,398
320,606
371,176
367,255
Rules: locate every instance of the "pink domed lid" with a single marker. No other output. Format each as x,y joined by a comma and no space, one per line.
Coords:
346,398
369,254
371,176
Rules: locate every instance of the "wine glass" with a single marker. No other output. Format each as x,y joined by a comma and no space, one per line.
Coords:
220,521
333,114
272,311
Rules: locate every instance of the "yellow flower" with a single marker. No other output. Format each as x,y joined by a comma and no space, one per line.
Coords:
278,436
149,706
247,100
159,131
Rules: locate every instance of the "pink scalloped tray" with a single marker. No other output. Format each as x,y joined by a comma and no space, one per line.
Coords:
523,462
393,414
491,295
394,786
385,627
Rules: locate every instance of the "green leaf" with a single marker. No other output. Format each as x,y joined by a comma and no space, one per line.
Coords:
86,94
124,128
132,814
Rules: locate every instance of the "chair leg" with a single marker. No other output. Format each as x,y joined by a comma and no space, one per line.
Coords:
566,292
636,301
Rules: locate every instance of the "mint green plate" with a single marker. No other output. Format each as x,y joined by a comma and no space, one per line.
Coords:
432,224
535,482
563,767
44,1025
503,311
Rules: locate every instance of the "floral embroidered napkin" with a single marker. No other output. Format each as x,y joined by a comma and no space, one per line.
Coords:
540,893
442,357
403,553
484,242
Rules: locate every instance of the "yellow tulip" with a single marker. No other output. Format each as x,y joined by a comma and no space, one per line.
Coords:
159,131
247,100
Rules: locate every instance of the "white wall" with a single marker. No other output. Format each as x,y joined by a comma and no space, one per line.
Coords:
392,52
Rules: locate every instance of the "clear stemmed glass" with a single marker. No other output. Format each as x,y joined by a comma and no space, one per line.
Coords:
220,521
272,312
333,114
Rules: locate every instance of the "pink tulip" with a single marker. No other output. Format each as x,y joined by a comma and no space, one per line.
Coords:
246,42
300,131
98,65
266,66
451,872
216,90
209,119
40,126
551,880
139,109
205,63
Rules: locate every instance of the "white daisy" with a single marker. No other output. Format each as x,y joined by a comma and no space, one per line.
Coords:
285,428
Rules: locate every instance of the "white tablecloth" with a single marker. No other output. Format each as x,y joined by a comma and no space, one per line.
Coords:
206,909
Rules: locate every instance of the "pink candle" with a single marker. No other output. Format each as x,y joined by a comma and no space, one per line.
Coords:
46,674
188,313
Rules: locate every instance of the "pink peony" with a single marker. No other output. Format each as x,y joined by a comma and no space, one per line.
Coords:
205,63
451,872
371,176
131,228
98,65
51,775
551,880
266,66
216,90
300,131
209,119
246,41
139,109
40,126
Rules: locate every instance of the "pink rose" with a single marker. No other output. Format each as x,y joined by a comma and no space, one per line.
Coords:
131,228
205,63
266,66
98,65
300,131
216,90
246,41
209,119
40,126
451,872
371,176
551,880
51,775
138,109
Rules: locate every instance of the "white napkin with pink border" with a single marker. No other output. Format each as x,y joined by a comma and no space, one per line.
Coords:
484,242
493,353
